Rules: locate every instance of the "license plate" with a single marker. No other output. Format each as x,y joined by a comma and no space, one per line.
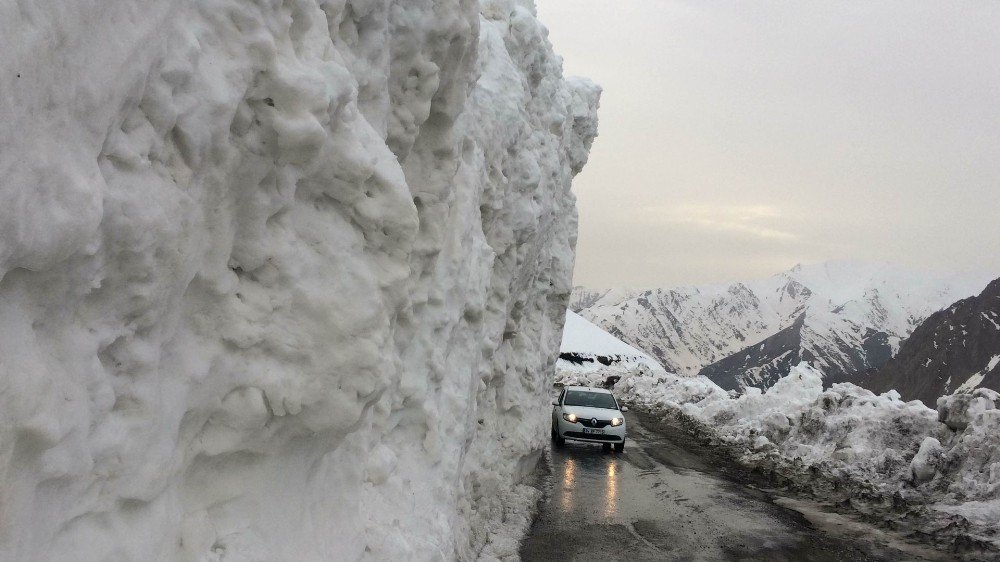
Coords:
594,431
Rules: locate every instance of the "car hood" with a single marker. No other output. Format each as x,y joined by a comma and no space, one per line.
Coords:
588,413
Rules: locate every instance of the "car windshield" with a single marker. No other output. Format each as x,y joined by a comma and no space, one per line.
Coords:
590,399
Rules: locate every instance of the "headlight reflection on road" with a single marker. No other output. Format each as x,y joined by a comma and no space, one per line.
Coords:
569,478
611,490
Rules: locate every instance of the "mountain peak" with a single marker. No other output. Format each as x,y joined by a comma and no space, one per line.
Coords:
856,314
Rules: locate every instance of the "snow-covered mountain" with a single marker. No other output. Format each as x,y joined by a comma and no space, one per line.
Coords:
843,317
582,297
585,346
588,354
280,280
956,349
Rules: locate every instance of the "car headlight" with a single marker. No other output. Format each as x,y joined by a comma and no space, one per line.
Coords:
617,421
571,418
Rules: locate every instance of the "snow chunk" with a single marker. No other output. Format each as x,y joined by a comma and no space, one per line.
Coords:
958,410
925,463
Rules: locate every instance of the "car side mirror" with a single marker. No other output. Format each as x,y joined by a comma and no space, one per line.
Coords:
555,402
624,409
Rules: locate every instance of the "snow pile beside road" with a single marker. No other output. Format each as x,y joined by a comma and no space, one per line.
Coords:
935,470
280,280
598,375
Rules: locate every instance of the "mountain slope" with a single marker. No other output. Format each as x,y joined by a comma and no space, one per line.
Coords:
582,297
845,317
586,347
955,349
761,364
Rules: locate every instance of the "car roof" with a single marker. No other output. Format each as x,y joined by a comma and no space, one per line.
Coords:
589,389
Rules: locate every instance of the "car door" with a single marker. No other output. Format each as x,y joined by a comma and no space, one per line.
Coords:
557,408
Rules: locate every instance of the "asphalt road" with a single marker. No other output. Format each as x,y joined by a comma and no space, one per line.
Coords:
668,497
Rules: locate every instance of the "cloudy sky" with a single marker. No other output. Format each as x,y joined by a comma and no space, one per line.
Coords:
740,138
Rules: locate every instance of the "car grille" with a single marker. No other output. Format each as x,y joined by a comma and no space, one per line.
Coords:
589,422
591,436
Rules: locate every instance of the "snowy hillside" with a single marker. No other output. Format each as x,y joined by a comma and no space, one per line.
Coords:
582,297
589,354
844,317
280,280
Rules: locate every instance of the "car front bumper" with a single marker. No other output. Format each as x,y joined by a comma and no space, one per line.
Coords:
574,431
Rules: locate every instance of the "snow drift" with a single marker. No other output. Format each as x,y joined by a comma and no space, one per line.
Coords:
937,472
281,280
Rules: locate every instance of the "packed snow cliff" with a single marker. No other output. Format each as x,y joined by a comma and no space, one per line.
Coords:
280,280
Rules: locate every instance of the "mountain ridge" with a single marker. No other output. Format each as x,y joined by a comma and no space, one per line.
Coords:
854,315
955,349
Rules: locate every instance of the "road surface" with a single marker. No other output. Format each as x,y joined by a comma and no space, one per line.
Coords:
668,497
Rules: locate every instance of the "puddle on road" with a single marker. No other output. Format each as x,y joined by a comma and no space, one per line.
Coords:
586,480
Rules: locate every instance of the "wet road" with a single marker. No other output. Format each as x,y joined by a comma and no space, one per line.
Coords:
667,497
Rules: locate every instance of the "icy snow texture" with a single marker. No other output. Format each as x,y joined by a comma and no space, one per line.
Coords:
281,280
948,460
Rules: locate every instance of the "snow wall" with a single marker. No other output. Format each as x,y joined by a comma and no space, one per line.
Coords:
281,279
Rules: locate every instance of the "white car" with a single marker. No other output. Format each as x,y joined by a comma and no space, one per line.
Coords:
582,413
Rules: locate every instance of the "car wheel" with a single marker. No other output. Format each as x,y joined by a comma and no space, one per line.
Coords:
619,447
559,441
606,447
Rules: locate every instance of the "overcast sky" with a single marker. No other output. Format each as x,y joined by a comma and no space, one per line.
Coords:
740,138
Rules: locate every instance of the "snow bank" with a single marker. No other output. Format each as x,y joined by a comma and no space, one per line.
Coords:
940,469
280,280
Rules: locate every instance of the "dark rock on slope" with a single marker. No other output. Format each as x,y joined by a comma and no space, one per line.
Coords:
957,348
761,364
840,356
